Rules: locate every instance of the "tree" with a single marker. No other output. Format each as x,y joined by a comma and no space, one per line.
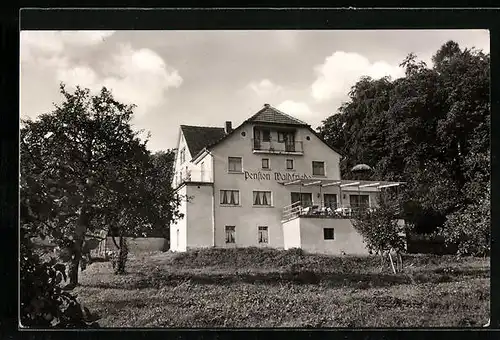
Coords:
381,231
79,165
150,210
470,226
43,304
421,129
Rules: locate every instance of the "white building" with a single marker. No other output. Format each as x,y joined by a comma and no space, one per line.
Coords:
272,181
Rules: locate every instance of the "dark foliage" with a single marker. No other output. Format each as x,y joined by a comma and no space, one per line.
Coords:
430,129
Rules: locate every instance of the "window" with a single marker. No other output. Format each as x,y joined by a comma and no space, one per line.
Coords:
359,201
318,168
305,198
265,163
230,197
234,164
289,164
262,198
183,155
328,234
263,235
230,234
266,135
330,201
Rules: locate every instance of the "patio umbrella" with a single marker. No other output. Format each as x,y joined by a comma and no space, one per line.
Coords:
362,171
361,168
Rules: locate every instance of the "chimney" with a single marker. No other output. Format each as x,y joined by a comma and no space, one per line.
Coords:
266,105
228,127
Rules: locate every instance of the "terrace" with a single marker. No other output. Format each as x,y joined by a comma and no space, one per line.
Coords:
303,208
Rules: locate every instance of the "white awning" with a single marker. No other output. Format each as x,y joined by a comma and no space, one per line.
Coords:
343,183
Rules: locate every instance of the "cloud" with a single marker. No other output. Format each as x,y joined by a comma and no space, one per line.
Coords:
342,70
298,110
39,45
135,76
265,88
139,76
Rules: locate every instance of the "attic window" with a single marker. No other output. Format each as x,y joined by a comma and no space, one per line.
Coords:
243,133
308,138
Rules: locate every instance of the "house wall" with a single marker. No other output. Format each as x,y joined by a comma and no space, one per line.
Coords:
196,169
199,222
291,234
245,217
181,166
140,244
347,239
180,243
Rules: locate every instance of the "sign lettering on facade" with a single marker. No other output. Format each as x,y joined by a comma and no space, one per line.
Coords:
277,176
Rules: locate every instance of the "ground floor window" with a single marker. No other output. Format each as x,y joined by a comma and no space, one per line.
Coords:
263,234
230,234
328,234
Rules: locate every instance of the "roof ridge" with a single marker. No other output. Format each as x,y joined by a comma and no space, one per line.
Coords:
272,108
202,126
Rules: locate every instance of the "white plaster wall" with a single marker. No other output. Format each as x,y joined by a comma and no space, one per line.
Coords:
181,166
246,218
199,207
347,239
196,170
291,234
180,224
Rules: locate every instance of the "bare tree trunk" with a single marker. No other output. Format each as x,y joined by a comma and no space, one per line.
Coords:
382,261
78,239
114,241
399,261
74,264
122,256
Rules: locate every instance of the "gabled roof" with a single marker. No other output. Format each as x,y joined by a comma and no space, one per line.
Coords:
198,137
269,114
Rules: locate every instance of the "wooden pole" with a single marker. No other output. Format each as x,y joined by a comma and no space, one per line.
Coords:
392,263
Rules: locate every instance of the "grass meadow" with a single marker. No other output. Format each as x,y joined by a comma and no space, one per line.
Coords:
255,288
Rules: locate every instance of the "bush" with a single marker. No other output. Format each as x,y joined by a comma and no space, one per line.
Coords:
470,227
43,302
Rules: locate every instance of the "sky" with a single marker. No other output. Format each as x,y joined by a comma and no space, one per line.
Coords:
209,77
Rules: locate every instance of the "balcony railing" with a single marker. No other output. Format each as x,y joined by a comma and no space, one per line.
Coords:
191,176
305,209
260,146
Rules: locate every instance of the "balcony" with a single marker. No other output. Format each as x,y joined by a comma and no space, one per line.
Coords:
275,147
302,209
196,176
